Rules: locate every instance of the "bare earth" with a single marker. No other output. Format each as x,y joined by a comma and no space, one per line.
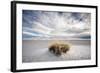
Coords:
37,51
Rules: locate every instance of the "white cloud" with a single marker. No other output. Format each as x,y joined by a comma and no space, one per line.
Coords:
61,24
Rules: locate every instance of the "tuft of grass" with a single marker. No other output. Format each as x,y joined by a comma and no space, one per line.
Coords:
59,47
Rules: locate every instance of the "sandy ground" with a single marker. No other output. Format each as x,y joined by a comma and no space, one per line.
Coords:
37,51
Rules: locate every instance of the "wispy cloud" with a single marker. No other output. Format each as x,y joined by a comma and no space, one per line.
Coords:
46,23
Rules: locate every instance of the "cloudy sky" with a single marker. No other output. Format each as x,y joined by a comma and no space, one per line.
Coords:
56,24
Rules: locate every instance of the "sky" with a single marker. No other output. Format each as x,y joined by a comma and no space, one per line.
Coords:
56,24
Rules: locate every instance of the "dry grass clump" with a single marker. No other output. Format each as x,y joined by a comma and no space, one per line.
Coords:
59,48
